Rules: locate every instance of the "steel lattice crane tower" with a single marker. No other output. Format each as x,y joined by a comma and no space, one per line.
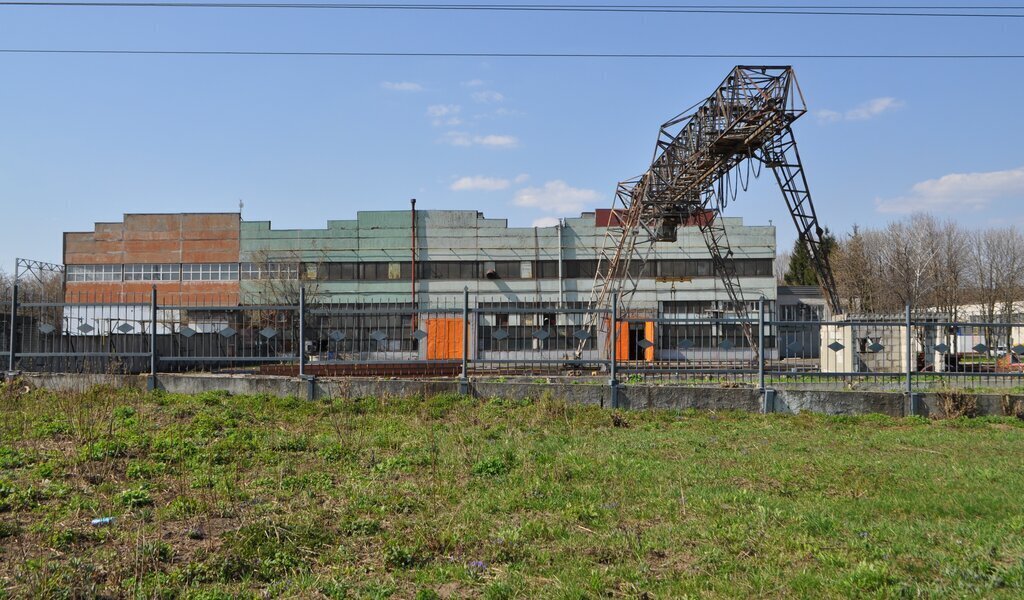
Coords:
698,166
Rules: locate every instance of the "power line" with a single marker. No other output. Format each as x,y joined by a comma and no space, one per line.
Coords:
530,55
740,9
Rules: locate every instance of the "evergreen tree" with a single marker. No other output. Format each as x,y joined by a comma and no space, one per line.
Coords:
801,267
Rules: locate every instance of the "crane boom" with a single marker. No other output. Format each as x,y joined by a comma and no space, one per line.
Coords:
747,119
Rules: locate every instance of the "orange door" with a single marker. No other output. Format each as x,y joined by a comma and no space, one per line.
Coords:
444,339
622,341
649,336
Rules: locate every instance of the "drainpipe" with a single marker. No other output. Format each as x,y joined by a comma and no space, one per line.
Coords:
561,281
413,254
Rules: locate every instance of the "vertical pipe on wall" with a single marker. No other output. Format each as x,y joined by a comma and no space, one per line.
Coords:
561,280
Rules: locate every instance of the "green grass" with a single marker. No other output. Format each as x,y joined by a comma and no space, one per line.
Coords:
217,496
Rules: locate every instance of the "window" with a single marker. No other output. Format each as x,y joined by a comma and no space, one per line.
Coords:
382,271
754,267
94,273
508,269
547,269
450,270
210,272
170,272
580,269
687,307
269,271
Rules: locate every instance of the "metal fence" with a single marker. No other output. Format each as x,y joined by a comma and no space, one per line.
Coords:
465,336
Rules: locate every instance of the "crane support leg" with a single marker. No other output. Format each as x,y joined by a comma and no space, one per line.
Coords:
716,238
783,158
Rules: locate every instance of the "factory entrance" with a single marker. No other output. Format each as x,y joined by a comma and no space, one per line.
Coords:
629,338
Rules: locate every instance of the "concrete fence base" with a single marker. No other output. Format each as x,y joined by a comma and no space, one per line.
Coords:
581,391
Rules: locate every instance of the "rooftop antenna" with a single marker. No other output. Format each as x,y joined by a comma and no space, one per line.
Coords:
241,205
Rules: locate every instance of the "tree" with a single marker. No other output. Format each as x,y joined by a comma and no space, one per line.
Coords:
801,266
782,267
996,273
856,267
908,252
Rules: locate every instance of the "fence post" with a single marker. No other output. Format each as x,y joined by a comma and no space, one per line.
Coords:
151,382
911,398
302,332
464,377
613,381
760,355
14,330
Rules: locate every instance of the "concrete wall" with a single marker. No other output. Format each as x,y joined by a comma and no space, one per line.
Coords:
591,391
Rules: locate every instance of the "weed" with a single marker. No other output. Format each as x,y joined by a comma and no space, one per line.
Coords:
135,498
398,556
497,465
957,403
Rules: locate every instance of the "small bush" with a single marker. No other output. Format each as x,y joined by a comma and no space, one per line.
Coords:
957,403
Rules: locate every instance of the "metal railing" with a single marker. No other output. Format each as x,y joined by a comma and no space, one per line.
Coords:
472,336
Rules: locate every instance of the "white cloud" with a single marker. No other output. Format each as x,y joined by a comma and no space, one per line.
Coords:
401,86
473,83
497,141
862,112
521,178
957,191
488,96
545,222
479,183
444,114
461,138
556,197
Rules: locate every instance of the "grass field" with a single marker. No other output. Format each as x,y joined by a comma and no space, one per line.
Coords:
217,496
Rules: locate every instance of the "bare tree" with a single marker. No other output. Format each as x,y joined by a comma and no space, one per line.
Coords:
908,253
995,271
952,274
782,266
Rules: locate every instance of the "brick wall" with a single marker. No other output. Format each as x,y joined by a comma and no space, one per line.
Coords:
151,238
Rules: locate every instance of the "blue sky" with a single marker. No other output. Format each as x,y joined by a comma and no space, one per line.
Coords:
304,140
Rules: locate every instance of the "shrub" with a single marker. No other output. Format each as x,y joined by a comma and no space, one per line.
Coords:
957,403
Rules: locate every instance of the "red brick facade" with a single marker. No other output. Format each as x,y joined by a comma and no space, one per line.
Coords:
156,239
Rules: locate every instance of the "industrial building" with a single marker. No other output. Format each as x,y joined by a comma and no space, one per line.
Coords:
417,259
371,258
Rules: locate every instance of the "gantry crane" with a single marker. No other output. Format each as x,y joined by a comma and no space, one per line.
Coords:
698,166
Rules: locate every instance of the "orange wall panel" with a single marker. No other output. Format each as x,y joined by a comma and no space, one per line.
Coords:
444,339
